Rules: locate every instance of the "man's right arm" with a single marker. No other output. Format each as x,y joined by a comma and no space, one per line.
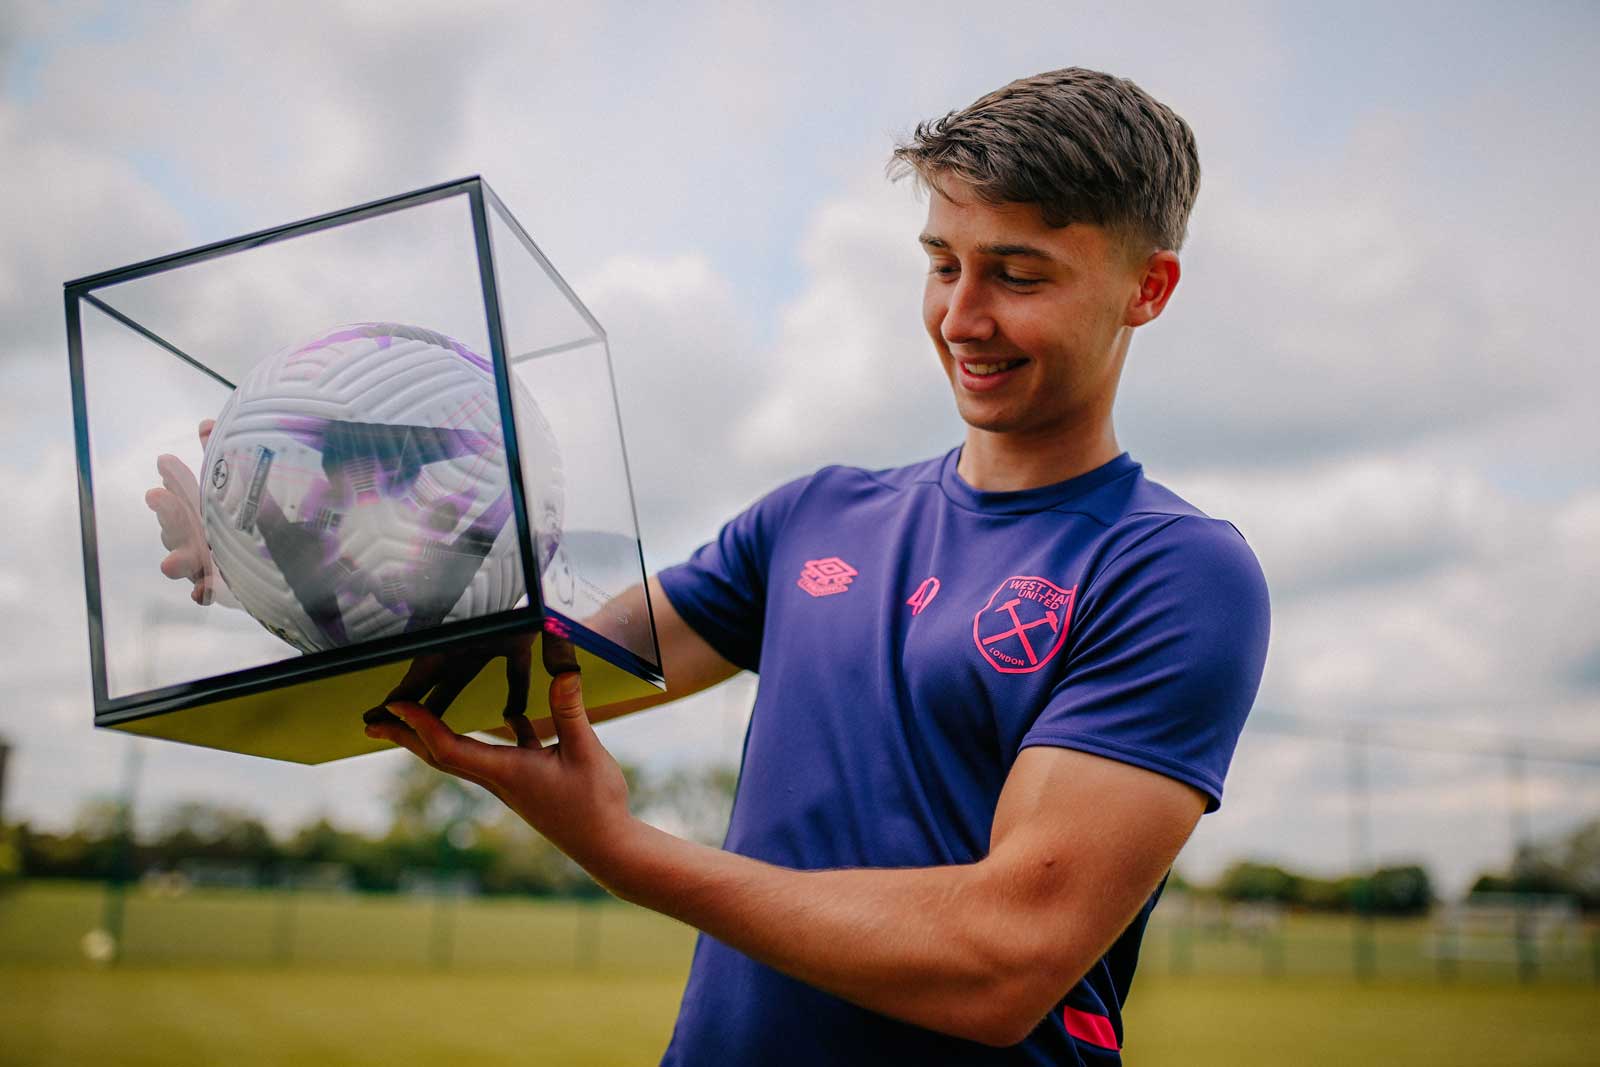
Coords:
689,663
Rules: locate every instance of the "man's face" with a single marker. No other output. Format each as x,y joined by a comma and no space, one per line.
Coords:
1030,321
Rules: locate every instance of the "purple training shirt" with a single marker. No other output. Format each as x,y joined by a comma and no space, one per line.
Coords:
913,635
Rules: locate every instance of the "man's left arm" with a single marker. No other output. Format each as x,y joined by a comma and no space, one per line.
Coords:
981,950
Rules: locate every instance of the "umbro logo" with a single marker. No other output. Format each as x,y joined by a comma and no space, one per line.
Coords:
826,577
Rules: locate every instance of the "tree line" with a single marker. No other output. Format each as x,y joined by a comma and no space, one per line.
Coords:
441,824
437,824
1566,865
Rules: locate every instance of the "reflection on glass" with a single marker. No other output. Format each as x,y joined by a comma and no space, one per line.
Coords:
562,359
295,445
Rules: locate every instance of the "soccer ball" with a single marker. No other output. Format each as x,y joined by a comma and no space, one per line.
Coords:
356,486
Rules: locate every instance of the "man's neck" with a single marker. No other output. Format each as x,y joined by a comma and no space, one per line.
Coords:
1002,463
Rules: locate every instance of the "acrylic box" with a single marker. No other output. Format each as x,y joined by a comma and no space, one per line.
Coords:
413,412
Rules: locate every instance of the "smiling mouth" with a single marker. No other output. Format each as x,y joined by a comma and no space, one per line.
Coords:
985,370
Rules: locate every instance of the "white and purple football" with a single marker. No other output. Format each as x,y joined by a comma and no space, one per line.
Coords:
355,487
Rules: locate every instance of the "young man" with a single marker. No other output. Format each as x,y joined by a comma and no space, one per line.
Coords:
998,688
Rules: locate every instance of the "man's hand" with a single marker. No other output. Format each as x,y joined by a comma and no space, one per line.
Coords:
435,679
572,792
176,503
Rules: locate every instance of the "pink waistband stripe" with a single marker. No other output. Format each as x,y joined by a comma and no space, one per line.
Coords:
1095,1029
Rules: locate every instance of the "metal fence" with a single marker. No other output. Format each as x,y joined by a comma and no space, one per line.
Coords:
1506,940
60,923
1487,938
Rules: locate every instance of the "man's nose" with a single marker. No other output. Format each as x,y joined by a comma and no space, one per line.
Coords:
967,319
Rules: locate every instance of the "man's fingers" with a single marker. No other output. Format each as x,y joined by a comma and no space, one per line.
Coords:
431,734
419,678
519,672
181,528
519,675
206,426
450,751
177,528
177,477
573,732
180,563
523,731
559,654
398,733
446,689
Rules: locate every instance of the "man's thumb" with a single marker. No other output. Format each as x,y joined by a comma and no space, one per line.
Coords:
567,713
566,693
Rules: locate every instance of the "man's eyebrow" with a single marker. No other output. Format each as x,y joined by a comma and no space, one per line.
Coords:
1001,250
1028,251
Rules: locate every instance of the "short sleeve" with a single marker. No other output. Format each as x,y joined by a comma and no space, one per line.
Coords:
1169,642
721,590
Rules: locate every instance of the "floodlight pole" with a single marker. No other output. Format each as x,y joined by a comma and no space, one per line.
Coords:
1363,947
442,936
122,858
133,764
1521,839
5,753
5,833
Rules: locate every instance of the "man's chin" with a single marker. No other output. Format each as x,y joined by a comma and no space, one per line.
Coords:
988,418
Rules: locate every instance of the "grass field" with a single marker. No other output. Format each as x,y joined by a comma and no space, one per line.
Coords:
252,978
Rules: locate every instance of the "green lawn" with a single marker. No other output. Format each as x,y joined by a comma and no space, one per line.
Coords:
256,978
44,923
1311,1022
241,1017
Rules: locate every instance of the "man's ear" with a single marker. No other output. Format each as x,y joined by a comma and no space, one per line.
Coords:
1156,283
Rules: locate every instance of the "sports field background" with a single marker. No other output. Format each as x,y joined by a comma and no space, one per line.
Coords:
253,977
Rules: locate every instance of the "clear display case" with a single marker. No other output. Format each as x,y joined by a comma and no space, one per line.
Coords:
315,458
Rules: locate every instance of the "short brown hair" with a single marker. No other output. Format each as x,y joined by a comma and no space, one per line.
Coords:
1082,145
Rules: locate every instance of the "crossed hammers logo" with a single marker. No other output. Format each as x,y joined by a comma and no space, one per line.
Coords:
1019,629
1037,648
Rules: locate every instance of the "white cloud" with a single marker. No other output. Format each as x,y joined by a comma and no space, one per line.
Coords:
687,368
1334,312
1374,363
1409,578
1367,519
856,375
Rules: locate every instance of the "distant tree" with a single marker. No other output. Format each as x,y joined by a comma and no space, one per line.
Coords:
1405,890
1249,880
322,842
423,800
524,862
10,855
695,802
1581,862
1328,894
1564,865
437,818
1400,890
197,829
92,849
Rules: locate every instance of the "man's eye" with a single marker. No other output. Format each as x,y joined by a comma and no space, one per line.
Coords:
943,270
1012,279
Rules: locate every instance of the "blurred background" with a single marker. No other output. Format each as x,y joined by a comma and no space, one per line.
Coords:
1380,365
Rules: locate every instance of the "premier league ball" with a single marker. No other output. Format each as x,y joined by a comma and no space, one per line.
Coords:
356,486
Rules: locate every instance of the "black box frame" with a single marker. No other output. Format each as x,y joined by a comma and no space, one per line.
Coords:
119,711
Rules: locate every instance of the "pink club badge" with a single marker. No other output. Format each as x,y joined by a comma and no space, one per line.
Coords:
1024,624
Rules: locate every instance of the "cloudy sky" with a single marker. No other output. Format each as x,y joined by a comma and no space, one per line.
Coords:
1381,363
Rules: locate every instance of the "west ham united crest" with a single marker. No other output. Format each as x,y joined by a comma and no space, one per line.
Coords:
1024,624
